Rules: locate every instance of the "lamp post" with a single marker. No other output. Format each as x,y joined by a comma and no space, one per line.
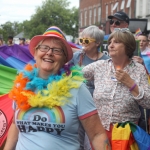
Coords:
73,27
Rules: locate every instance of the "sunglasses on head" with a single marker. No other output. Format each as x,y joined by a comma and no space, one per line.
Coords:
86,40
122,29
117,22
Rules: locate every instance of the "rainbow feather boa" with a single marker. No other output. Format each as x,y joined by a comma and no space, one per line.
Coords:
31,91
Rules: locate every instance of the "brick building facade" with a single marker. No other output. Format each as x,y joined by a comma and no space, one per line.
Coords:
96,12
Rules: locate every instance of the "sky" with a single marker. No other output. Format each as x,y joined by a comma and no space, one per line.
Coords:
20,10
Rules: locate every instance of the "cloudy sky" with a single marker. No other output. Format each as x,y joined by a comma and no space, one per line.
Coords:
20,10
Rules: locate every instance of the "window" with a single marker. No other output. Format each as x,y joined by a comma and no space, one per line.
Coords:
112,9
115,6
94,15
118,7
90,17
129,12
106,11
122,5
141,10
148,7
81,19
128,4
99,14
85,17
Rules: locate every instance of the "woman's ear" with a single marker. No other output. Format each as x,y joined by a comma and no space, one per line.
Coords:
98,44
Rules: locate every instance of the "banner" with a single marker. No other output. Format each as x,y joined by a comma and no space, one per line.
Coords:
6,116
7,76
104,48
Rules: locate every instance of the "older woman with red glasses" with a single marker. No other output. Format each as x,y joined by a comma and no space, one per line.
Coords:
91,39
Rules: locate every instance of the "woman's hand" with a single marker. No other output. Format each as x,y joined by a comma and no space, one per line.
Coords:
125,78
138,59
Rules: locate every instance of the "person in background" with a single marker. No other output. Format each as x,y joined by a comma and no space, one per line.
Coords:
149,40
119,20
51,102
1,42
22,41
10,41
143,44
144,122
27,42
91,40
121,83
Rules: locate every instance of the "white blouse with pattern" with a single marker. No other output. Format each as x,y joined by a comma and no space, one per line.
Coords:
113,100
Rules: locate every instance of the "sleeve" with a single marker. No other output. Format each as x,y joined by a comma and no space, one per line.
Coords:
143,98
85,103
75,58
88,71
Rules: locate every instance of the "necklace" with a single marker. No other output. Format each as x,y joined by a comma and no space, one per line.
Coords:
31,91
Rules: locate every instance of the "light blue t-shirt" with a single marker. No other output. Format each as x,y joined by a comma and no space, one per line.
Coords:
86,61
57,128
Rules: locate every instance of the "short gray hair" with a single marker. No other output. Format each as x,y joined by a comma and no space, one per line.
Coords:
95,33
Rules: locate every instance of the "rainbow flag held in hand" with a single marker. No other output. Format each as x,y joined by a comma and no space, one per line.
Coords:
138,32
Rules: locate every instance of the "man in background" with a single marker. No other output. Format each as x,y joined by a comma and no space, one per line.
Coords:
22,41
144,121
1,41
119,20
10,41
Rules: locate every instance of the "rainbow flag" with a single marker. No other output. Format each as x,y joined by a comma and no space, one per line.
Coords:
146,58
7,76
138,32
129,136
15,56
6,116
122,138
141,137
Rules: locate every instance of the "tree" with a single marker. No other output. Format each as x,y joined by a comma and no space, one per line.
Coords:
10,28
53,13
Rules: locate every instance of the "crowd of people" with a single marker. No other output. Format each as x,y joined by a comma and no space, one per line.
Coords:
10,41
72,99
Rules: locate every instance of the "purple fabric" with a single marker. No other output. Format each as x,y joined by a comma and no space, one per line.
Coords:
20,52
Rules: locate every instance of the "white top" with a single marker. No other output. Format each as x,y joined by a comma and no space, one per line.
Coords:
145,51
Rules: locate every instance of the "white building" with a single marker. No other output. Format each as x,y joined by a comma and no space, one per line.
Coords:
143,11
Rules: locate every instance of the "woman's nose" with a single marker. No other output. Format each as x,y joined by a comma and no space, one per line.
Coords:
49,52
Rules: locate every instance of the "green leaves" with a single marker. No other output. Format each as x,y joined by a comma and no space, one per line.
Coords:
48,14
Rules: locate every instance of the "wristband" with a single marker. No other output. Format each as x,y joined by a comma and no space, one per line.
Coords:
133,87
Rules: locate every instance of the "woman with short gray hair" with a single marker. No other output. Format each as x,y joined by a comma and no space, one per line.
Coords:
91,40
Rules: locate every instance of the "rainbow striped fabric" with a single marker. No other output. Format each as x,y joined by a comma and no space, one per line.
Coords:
55,31
138,32
128,136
